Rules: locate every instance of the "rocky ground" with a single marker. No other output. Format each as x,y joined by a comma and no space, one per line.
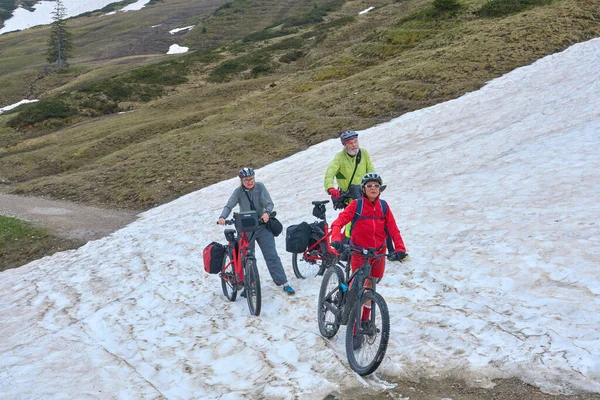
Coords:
428,389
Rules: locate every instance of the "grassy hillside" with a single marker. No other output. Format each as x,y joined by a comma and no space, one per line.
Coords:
128,126
21,242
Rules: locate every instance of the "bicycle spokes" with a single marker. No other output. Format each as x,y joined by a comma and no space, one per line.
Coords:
229,281
367,333
252,286
331,298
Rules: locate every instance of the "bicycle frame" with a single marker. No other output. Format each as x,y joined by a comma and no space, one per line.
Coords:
355,283
310,254
239,249
313,252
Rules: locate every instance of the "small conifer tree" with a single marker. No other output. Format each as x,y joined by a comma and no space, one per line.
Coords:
60,44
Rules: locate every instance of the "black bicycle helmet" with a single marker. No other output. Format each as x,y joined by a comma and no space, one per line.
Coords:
372,177
246,171
347,135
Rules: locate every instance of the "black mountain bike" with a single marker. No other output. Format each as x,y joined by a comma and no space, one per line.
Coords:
344,300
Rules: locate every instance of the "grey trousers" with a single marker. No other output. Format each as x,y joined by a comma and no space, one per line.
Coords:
266,241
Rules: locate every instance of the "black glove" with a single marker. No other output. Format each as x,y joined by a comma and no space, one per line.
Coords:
339,246
339,203
400,256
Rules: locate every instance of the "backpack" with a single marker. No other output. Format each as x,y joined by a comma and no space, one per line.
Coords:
358,214
213,256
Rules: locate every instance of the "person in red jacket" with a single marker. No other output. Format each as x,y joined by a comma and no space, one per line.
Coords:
370,227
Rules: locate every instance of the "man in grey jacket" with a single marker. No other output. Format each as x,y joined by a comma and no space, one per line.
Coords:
252,195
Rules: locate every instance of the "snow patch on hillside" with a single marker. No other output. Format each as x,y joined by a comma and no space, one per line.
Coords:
42,15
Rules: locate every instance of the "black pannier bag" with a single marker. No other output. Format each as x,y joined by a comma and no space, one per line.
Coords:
213,256
296,237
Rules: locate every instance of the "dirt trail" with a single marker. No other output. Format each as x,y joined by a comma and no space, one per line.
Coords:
65,219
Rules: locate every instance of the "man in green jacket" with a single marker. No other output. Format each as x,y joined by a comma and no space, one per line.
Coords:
347,168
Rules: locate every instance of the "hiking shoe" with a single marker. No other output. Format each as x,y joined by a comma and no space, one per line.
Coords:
288,289
243,293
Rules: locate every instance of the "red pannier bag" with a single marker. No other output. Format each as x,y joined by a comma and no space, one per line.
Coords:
213,255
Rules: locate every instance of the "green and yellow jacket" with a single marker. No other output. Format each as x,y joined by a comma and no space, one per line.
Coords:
342,167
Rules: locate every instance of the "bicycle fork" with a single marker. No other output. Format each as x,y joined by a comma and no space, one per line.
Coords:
348,302
363,313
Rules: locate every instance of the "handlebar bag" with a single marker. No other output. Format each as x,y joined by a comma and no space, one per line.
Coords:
213,256
246,221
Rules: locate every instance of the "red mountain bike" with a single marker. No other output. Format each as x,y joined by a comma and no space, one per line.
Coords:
318,256
239,264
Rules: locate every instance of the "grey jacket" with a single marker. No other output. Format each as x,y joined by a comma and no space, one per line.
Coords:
260,197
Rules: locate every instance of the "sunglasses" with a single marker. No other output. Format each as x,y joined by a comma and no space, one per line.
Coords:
248,180
372,185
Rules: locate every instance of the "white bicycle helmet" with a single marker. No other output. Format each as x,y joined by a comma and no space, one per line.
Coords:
246,171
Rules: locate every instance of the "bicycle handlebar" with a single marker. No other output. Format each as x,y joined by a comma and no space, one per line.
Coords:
367,252
232,221
260,220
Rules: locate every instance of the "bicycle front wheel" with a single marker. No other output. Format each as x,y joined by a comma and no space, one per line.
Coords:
228,279
309,267
252,286
330,302
367,339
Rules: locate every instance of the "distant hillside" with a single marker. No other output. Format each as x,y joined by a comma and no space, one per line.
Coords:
127,125
8,6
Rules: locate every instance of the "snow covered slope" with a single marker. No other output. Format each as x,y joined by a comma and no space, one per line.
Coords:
496,194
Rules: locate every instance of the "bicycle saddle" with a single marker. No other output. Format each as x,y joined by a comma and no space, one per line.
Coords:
318,203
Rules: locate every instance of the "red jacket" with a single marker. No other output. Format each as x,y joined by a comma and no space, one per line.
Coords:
368,232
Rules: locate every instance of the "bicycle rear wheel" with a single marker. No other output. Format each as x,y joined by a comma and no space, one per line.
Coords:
228,279
308,268
330,302
252,286
366,344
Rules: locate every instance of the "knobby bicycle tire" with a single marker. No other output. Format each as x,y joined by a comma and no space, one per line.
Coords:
252,286
228,278
304,269
330,302
366,351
